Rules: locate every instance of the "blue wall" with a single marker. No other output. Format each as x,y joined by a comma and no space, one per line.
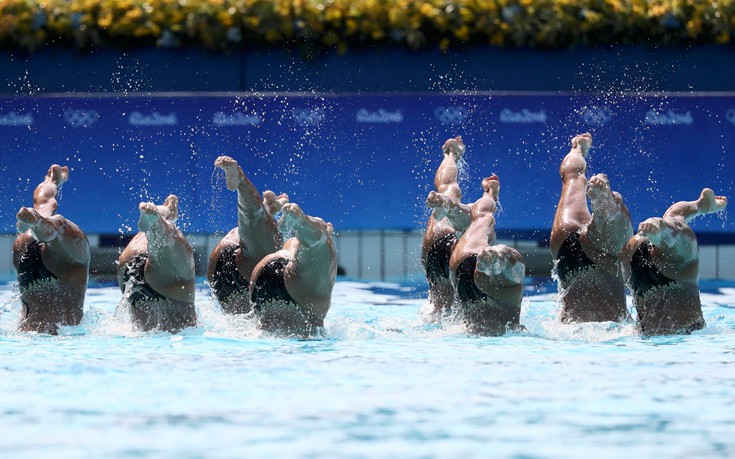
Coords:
601,69
359,161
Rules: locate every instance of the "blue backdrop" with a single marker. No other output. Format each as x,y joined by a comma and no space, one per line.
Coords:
359,161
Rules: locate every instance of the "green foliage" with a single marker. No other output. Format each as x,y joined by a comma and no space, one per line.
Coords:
224,25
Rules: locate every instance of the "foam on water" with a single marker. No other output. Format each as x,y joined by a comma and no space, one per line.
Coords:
360,311
381,382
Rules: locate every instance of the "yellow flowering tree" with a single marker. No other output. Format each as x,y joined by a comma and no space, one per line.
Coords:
340,24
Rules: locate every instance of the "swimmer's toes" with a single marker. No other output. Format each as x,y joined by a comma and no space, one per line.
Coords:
711,203
292,214
224,161
233,172
582,143
58,174
599,181
147,208
293,211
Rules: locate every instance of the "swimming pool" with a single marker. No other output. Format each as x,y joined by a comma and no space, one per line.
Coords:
380,383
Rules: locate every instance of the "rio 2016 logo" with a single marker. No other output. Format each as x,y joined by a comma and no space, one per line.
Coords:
16,119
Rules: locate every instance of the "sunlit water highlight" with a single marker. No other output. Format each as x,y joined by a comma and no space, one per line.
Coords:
380,383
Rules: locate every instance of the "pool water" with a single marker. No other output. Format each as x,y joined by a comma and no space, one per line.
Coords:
379,383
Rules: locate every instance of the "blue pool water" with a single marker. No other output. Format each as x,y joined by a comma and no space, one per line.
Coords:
380,383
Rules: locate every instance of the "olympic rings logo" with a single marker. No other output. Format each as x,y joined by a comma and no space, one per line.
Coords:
81,118
596,116
308,117
450,115
730,115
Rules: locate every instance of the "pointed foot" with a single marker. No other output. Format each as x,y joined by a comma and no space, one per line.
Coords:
233,171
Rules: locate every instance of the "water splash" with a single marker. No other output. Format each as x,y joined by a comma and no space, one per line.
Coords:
360,311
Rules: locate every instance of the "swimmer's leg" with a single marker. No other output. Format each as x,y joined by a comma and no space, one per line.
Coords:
447,199
44,196
65,241
610,227
257,230
499,274
315,262
457,213
65,254
675,250
445,202
503,262
572,212
445,180
706,204
170,266
311,232
500,269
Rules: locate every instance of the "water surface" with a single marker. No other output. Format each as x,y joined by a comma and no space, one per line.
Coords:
379,383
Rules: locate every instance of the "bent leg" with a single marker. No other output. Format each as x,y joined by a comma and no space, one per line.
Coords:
446,201
502,262
306,268
706,204
481,233
675,244
610,226
674,251
64,256
315,261
493,302
442,206
170,266
449,219
66,242
499,274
